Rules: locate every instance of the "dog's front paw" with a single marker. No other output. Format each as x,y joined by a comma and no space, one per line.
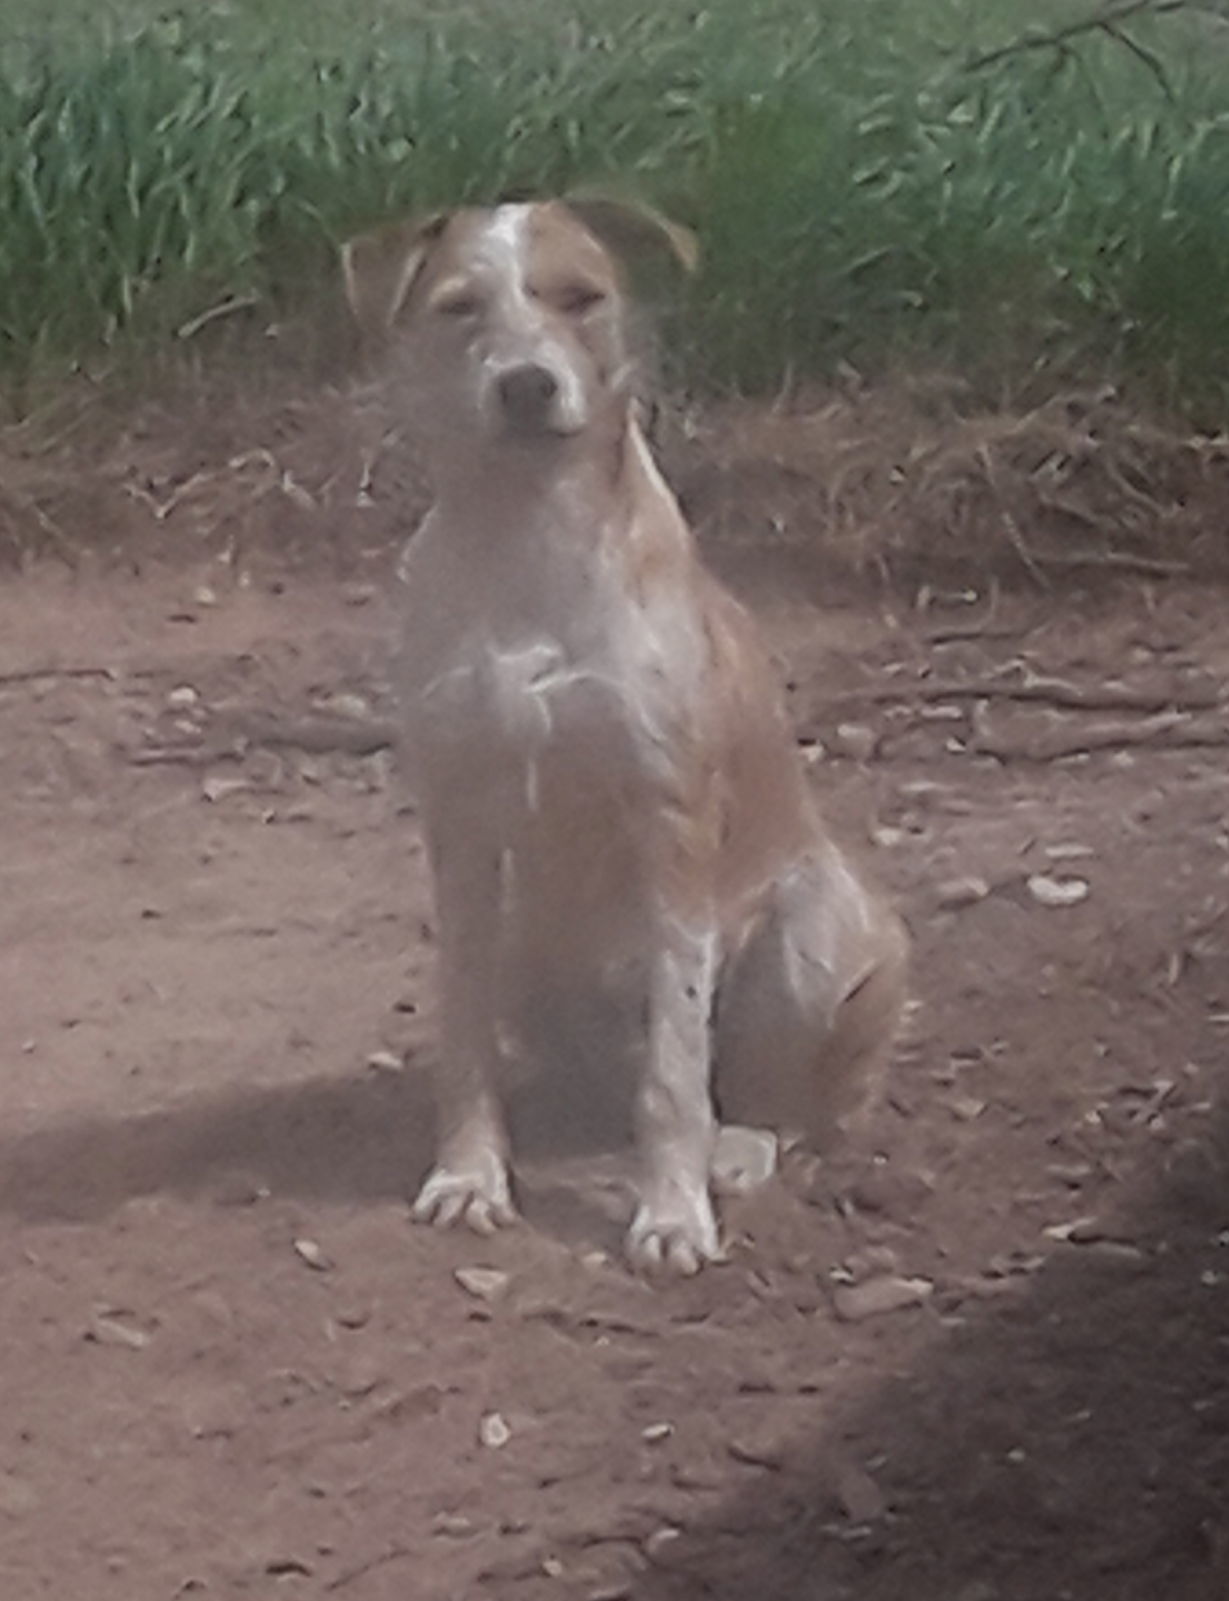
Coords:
675,1231
474,1193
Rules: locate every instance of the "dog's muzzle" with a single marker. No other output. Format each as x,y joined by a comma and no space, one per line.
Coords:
528,398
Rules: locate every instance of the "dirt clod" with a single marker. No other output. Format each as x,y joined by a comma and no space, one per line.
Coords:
875,1297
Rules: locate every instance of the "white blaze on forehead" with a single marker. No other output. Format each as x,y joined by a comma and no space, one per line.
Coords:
505,239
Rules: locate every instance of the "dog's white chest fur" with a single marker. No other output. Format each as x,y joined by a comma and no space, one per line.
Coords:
570,723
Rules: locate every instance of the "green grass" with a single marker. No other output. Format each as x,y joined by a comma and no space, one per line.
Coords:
862,195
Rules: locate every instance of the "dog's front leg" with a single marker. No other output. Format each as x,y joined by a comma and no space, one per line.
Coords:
469,1182
674,1226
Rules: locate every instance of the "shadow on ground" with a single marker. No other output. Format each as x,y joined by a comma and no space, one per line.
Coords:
359,1139
1067,1441
327,1139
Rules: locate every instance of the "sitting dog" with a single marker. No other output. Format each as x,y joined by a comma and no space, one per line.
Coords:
605,775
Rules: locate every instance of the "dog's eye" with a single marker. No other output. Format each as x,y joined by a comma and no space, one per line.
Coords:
576,299
459,305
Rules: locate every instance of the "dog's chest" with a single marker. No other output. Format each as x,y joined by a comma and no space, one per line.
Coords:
587,712
577,714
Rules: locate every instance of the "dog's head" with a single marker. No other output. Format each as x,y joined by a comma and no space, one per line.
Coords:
506,325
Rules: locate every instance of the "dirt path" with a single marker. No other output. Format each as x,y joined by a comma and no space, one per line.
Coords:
231,1368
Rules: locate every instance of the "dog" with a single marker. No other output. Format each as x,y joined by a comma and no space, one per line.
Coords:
607,782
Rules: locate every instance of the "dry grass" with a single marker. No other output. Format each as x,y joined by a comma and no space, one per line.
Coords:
884,480
899,474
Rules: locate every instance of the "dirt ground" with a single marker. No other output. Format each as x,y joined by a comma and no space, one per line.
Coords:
982,1356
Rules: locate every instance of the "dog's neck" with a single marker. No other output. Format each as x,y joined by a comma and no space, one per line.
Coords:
590,493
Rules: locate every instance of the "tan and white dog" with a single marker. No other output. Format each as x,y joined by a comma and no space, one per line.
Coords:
606,778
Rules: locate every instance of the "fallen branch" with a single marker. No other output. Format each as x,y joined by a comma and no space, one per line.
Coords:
360,1570
315,736
1046,691
225,308
1125,560
32,675
1168,731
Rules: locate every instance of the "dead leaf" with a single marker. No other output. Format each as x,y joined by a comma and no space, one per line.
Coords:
1057,892
311,1253
485,1283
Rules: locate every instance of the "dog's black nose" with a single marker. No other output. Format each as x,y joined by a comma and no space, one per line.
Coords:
526,394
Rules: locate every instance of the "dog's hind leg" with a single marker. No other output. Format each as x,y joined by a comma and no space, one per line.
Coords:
674,1226
809,1007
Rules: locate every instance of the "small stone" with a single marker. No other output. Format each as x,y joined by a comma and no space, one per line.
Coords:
872,1261
757,1453
203,595
854,740
484,1283
183,695
657,1544
1079,1231
386,1062
860,1497
347,705
886,837
890,1191
109,1328
957,892
656,1432
311,1253
493,1431
1058,892
875,1297
215,788
453,1525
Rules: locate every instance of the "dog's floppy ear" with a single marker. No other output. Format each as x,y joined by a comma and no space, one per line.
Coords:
380,269
627,224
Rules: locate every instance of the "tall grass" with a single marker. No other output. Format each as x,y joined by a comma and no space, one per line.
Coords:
863,193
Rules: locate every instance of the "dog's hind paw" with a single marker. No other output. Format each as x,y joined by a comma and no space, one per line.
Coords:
744,1159
477,1196
677,1235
